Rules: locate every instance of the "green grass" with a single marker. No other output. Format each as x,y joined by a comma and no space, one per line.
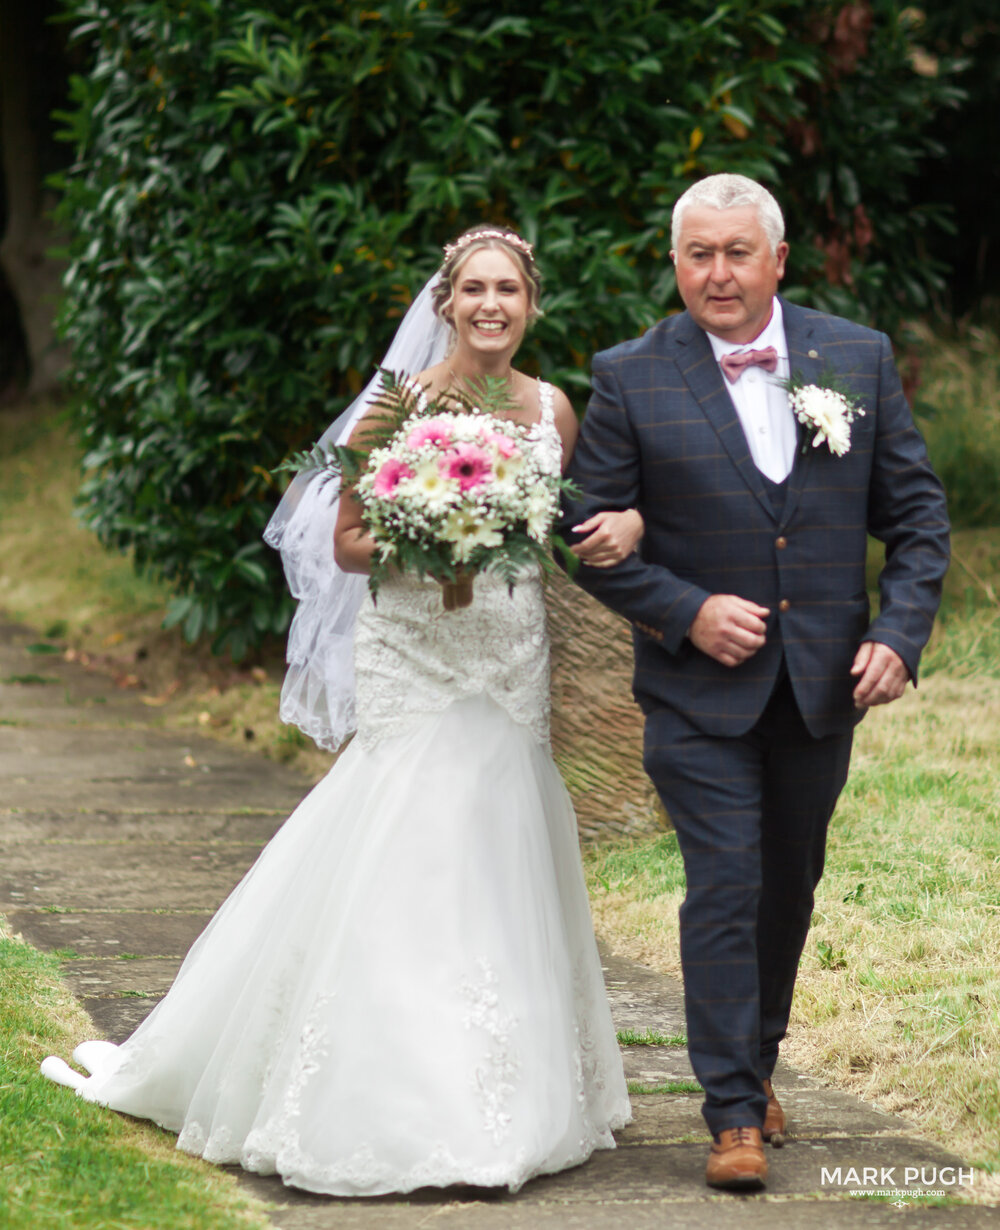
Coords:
66,1163
637,1087
650,1037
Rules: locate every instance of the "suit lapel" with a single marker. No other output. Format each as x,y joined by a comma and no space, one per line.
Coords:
806,360
693,354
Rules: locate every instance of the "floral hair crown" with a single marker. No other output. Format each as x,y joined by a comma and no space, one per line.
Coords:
515,241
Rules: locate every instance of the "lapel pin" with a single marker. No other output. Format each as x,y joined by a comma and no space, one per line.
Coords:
813,354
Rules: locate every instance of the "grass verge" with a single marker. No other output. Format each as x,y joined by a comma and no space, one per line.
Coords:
649,1037
638,1088
66,1163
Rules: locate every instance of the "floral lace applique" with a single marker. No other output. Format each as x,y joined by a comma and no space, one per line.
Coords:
493,1079
595,1083
192,1139
312,1048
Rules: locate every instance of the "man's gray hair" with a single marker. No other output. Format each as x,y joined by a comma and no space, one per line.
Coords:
730,192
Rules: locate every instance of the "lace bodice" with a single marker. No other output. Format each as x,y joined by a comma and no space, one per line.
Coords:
412,657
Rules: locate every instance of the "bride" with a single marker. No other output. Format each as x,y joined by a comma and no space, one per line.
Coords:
404,990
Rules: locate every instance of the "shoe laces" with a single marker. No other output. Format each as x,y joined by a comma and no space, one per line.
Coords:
744,1135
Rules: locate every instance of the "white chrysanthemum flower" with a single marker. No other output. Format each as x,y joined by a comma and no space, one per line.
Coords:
539,513
506,472
429,488
828,413
466,530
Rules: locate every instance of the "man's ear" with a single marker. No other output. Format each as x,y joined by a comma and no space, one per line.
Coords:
780,256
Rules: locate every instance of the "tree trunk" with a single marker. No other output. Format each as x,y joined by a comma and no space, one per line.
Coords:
34,277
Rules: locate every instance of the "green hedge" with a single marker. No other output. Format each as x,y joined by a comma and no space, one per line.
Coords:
257,194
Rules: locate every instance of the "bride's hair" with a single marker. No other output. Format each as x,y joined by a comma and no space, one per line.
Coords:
475,239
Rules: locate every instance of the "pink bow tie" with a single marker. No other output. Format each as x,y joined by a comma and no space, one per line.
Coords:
733,364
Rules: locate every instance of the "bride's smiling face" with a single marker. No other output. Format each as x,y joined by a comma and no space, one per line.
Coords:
490,305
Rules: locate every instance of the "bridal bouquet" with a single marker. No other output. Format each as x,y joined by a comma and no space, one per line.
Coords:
449,489
453,494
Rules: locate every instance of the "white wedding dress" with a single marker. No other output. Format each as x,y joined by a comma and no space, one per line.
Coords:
404,990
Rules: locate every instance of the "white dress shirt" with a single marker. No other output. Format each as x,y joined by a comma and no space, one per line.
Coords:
761,403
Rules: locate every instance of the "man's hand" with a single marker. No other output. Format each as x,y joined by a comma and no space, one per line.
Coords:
883,675
729,629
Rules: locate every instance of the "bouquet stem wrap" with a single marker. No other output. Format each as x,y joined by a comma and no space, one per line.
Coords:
458,593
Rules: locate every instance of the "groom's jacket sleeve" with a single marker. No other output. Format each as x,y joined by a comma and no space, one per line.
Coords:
907,511
606,467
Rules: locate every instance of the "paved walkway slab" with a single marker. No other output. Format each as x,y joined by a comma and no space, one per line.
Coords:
71,827
101,933
137,876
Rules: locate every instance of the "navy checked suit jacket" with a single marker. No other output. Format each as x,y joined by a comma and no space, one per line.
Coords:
661,434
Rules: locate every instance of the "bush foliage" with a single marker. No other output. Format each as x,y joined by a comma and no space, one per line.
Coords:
257,195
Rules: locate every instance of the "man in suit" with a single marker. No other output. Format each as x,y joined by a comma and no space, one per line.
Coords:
755,654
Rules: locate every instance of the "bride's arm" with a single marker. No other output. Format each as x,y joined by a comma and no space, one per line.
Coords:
353,546
611,535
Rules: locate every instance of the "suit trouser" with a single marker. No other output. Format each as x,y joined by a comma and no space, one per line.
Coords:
751,815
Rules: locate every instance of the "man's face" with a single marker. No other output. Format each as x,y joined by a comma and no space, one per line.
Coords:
726,272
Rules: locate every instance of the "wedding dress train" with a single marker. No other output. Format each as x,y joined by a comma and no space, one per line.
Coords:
404,990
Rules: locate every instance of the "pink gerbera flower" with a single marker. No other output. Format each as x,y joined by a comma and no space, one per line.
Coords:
390,475
432,432
469,464
504,445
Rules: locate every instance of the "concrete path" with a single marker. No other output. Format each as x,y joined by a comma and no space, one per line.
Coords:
118,841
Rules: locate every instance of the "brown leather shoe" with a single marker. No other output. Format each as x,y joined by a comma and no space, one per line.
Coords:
737,1161
775,1127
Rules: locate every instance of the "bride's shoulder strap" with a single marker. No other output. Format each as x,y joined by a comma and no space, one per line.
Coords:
547,401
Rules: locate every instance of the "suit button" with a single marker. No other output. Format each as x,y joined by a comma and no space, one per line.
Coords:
781,543
784,605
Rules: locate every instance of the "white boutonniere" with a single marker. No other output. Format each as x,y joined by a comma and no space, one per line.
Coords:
825,410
